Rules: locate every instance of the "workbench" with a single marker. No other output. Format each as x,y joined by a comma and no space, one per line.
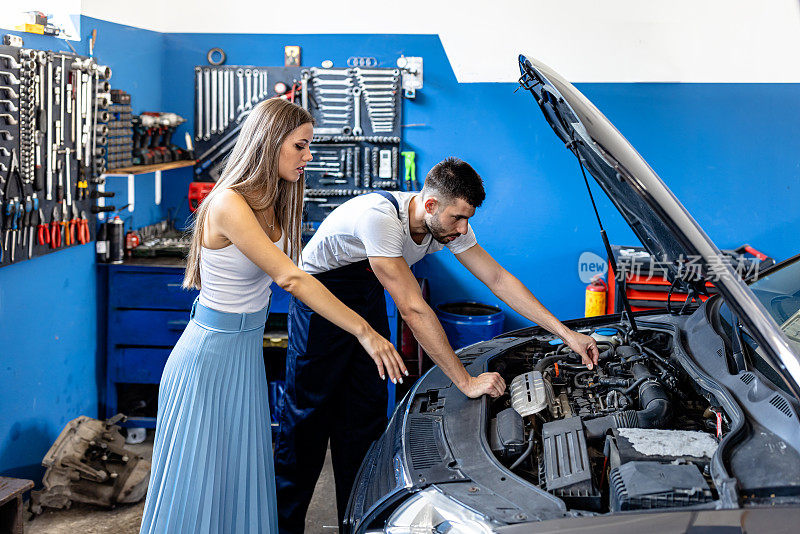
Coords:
143,311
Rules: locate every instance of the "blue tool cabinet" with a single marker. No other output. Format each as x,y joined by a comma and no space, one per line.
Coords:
144,310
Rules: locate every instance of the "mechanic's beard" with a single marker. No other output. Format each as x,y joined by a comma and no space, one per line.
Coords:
437,231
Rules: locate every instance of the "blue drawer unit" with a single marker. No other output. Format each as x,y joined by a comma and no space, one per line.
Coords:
145,312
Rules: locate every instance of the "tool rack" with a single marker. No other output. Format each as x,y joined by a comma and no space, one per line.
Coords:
52,115
357,134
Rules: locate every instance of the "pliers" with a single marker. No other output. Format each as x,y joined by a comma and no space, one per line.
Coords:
55,229
65,223
43,233
83,229
78,227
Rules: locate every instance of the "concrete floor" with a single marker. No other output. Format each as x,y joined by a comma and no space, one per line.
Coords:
126,519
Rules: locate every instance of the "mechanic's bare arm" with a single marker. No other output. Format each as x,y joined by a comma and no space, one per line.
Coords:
398,280
510,290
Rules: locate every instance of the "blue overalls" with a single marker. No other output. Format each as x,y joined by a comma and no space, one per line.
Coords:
332,391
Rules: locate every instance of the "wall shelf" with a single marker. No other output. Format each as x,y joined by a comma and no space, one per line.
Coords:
144,169
134,170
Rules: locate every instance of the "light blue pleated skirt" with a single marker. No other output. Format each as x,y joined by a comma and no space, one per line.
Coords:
212,458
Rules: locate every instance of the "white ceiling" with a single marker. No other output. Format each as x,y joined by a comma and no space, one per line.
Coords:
585,40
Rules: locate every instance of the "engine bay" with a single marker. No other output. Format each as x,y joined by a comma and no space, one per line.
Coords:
633,433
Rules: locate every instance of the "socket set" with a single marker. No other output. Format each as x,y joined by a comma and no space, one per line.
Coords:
52,135
340,171
119,152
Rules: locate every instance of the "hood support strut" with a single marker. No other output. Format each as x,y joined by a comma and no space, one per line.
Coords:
619,283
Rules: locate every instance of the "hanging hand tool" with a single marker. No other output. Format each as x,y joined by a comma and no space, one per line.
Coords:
83,229
9,216
49,123
26,209
213,102
65,223
410,170
68,164
60,186
31,225
74,226
43,232
198,135
55,229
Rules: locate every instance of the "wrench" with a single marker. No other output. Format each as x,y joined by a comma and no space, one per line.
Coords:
256,83
199,98
357,115
213,101
207,101
249,101
231,96
325,91
345,81
331,100
240,75
363,79
380,86
336,72
265,79
226,95
370,94
11,92
220,101
325,107
379,72
304,88
12,80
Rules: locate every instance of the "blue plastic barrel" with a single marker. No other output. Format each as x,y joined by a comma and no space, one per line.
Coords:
466,323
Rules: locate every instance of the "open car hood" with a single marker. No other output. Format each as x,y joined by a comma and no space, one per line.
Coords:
659,220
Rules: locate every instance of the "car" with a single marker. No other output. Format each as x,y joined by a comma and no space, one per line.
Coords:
688,423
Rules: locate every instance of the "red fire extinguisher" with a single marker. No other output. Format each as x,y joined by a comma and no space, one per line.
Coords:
131,241
596,297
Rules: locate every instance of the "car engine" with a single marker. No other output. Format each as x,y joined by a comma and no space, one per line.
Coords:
633,433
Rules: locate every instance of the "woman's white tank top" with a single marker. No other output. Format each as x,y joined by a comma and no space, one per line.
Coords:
230,282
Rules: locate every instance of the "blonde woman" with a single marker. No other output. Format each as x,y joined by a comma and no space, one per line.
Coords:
212,466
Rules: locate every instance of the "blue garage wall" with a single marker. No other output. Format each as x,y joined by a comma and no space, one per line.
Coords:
728,151
49,367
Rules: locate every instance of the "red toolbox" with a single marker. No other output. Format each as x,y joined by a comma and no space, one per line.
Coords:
646,284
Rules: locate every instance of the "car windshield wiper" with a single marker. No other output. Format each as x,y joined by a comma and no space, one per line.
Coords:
738,345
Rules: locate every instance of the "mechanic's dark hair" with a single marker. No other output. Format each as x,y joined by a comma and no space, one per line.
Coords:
453,178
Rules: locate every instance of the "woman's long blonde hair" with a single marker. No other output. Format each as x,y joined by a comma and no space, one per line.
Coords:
252,171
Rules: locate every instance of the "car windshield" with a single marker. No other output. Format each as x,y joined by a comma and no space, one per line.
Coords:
779,292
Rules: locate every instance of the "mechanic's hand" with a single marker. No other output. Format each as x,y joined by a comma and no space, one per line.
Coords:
584,345
491,384
384,355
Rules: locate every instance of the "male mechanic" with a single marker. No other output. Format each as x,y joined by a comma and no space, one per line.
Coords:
332,388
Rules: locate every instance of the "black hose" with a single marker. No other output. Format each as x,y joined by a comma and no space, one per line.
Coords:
653,401
525,454
547,361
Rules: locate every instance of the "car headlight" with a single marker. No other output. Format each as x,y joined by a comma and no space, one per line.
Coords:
430,511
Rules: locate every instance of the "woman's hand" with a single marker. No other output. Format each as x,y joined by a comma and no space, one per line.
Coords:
384,355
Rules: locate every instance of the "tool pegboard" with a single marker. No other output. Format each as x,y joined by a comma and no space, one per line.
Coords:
52,115
357,134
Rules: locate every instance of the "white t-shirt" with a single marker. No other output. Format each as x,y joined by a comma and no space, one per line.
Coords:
368,226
